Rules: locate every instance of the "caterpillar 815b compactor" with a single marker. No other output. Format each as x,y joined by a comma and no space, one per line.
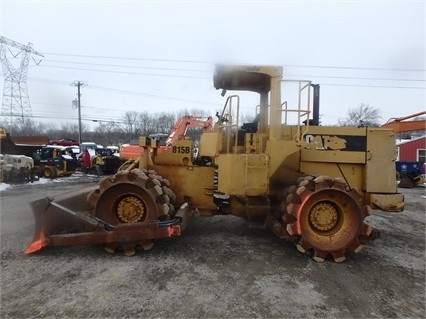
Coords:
311,184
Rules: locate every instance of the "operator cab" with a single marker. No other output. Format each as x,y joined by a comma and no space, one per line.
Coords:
160,137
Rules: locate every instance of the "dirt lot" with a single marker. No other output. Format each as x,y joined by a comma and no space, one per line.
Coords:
219,268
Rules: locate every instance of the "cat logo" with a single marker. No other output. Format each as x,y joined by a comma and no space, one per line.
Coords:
325,142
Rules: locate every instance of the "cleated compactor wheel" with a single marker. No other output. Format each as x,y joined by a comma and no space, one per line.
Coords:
327,216
132,197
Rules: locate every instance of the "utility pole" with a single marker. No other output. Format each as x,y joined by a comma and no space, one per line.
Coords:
78,84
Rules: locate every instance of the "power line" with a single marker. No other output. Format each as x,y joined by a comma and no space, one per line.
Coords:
129,66
356,78
127,58
193,101
209,62
91,119
375,86
121,91
48,117
36,79
131,73
201,71
353,68
149,95
205,78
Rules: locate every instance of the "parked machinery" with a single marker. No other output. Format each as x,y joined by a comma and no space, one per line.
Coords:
105,161
52,161
311,184
409,173
179,131
16,168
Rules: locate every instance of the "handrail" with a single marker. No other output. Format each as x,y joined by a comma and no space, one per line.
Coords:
302,109
229,124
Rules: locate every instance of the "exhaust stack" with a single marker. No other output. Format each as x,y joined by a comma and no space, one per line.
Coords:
315,111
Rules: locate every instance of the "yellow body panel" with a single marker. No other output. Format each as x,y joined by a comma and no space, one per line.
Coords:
255,143
243,174
332,156
193,184
334,145
330,134
210,144
284,163
351,173
380,175
180,153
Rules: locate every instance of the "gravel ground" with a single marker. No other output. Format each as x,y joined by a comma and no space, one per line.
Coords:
219,268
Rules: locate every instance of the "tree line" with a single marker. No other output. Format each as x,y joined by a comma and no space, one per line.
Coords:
128,127
133,124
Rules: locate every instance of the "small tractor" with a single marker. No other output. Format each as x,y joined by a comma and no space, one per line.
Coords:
52,161
105,161
309,184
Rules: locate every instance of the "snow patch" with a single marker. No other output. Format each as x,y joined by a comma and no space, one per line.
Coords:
4,186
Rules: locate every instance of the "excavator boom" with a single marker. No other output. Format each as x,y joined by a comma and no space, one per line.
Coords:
400,125
186,122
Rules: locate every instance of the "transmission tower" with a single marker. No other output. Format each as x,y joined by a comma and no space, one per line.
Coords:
16,102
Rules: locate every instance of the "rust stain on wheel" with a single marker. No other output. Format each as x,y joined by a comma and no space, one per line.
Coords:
131,209
135,196
324,216
328,217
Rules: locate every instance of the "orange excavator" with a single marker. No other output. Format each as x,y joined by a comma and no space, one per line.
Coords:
181,127
179,131
409,173
400,124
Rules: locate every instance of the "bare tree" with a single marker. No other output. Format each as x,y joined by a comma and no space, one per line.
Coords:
130,124
109,133
69,130
31,127
163,122
363,115
49,128
194,111
144,123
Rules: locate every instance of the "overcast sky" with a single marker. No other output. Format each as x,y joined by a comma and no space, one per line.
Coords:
160,55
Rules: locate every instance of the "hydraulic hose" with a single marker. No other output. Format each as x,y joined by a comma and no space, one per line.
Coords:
170,222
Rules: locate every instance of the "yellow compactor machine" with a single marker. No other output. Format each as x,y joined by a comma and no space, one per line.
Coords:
311,184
